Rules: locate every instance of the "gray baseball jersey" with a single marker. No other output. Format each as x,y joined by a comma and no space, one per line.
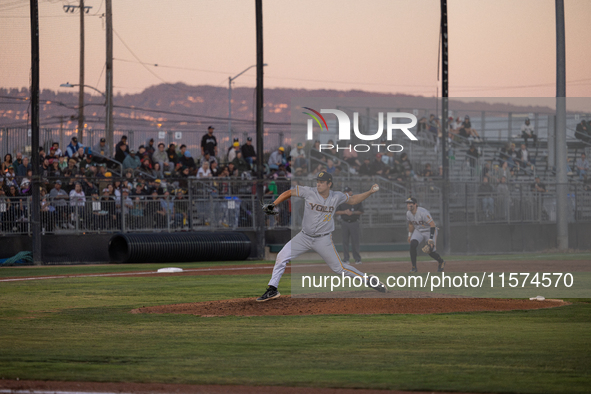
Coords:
420,220
319,212
317,223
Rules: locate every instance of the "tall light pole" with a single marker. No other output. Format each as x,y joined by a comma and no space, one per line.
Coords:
230,79
109,77
83,10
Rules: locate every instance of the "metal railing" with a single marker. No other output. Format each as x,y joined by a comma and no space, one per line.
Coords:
230,204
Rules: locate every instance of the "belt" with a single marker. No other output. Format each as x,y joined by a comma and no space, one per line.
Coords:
315,236
350,221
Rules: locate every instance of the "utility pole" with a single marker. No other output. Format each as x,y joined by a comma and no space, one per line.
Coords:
259,216
444,130
36,200
109,78
560,132
83,10
81,91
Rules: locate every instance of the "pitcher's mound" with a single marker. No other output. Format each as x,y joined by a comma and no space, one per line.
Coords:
286,305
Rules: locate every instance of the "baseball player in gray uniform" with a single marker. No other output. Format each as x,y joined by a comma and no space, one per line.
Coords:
421,228
317,226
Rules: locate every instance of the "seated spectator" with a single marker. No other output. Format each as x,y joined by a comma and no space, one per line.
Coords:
44,169
204,171
523,158
248,152
330,167
121,153
366,168
87,162
427,173
131,161
146,166
77,202
240,164
507,154
6,163
316,154
351,157
101,151
22,169
298,154
185,158
157,171
378,166
119,146
232,150
485,192
582,166
467,131
527,131
160,156
538,186
583,132
173,157
73,147
207,158
215,169
232,170
150,147
276,158
55,171
56,148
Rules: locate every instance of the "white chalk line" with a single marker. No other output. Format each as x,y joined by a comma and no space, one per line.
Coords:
131,274
32,391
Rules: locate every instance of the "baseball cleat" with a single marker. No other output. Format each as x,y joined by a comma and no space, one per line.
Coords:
413,269
379,287
441,266
269,294
358,262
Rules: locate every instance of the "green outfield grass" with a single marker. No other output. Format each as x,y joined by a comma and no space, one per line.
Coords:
81,329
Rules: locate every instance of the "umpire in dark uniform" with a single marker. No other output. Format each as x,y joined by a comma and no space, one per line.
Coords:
350,215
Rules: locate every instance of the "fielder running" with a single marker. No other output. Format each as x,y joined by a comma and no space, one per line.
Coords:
421,228
317,226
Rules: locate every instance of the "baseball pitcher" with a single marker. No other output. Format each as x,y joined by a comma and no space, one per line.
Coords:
317,226
421,228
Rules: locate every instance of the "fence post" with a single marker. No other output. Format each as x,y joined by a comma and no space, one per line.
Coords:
190,207
510,136
483,124
466,202
123,229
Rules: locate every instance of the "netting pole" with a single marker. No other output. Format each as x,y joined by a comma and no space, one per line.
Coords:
444,129
34,213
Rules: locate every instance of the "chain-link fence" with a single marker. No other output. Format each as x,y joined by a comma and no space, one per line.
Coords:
100,205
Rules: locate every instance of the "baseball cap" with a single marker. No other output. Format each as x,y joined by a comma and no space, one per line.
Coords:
347,189
249,138
324,176
132,152
106,190
103,140
75,139
300,144
282,149
411,200
210,127
125,190
58,182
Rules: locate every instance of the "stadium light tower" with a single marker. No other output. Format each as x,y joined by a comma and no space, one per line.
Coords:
230,79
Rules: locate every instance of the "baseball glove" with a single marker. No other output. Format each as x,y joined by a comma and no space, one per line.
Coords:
269,209
428,248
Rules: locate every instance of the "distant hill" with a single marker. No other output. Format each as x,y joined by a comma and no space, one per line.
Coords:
183,107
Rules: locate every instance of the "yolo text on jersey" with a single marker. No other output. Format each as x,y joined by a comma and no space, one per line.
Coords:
321,208
344,125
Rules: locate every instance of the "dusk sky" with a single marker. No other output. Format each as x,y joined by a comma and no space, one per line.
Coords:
500,48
